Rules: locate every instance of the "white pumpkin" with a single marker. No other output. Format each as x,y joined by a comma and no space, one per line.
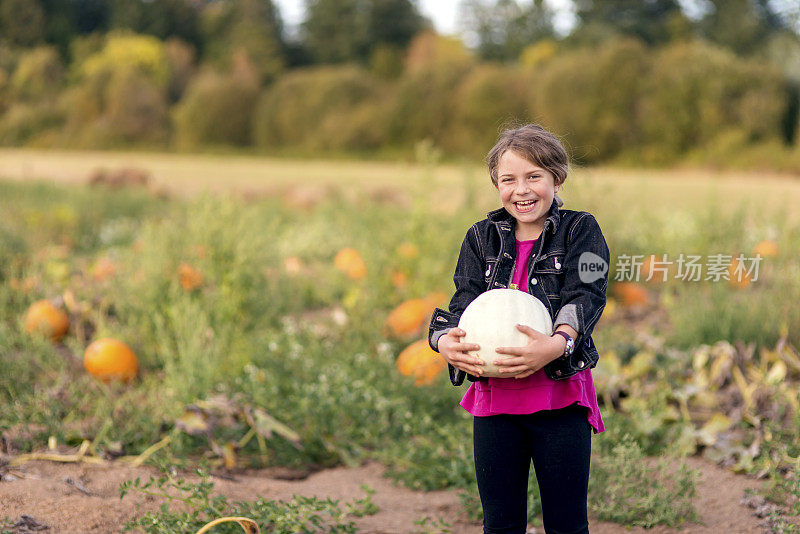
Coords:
490,321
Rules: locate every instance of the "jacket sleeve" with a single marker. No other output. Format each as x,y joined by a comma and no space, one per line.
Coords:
586,264
469,282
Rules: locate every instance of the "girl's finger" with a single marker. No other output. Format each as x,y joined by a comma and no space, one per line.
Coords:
514,351
528,330
513,370
471,369
467,359
466,347
506,365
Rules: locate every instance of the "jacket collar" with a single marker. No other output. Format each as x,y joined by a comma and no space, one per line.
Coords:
500,215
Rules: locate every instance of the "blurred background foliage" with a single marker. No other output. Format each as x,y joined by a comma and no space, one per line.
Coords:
635,82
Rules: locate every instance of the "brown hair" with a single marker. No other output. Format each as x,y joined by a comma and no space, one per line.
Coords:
535,144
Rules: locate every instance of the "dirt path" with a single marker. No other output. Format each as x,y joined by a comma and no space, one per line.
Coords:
50,500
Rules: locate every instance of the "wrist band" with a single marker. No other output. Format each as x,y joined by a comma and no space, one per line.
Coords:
570,342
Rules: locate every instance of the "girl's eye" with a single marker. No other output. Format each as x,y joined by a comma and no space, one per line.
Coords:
534,176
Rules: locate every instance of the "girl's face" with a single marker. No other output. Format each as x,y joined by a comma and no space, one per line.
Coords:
526,191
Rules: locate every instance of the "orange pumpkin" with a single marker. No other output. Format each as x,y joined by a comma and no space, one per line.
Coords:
436,299
408,250
190,277
409,317
349,261
630,294
399,279
109,359
103,269
739,280
292,264
420,361
44,318
766,248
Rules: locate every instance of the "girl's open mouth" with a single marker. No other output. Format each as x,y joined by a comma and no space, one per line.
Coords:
525,205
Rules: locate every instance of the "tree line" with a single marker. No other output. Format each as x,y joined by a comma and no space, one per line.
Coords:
652,81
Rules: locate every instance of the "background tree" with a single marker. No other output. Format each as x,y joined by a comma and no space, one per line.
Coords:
22,22
653,21
161,18
501,29
743,26
336,31
67,19
252,26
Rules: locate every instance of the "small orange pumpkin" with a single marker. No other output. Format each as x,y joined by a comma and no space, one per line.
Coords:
420,361
109,359
103,269
349,261
399,279
766,248
436,299
44,318
190,277
739,280
407,250
409,317
292,264
631,294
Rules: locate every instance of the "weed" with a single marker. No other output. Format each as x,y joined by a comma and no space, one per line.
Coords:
428,525
626,490
298,515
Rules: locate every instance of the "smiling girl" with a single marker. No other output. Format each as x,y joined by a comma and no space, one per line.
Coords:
546,409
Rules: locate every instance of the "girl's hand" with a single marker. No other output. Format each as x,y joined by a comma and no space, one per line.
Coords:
455,352
540,350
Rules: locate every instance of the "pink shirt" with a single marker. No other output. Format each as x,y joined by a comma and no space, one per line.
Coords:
535,392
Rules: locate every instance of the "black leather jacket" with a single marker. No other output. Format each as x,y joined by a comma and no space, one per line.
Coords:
568,272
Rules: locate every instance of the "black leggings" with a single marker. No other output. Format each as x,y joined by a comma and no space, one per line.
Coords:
559,441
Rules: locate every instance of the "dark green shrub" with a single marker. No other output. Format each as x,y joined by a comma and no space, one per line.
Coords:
216,110
322,108
136,110
181,61
39,74
426,107
25,123
489,98
590,98
118,94
109,109
696,92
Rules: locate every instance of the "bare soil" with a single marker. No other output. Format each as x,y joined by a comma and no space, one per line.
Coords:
78,498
